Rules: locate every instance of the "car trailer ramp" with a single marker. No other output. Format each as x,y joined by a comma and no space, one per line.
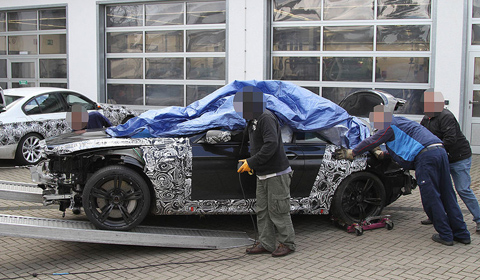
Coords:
84,231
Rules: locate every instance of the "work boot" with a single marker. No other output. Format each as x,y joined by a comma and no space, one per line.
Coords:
463,241
477,229
426,222
282,250
257,248
437,238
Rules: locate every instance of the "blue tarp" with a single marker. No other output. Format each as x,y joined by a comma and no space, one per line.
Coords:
295,106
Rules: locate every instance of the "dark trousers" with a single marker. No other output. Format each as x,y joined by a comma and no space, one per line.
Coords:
438,196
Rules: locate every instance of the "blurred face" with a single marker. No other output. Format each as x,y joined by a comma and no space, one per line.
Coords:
249,102
380,118
77,119
433,103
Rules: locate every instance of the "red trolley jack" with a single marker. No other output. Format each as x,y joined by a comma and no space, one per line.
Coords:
371,223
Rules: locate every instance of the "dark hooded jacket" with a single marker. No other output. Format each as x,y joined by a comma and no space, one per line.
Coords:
445,126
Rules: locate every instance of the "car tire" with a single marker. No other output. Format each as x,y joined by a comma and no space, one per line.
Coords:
359,196
28,149
116,198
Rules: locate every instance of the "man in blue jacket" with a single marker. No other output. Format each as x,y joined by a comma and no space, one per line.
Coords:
414,147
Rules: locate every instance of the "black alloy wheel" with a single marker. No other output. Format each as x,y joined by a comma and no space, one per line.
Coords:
359,196
116,198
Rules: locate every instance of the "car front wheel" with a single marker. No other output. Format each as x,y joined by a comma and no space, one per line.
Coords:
116,198
359,196
28,149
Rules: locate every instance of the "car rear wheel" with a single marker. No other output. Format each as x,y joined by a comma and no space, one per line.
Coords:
116,198
359,196
28,149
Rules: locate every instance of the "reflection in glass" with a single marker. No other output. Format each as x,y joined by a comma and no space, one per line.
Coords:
296,68
3,68
23,70
124,15
125,94
2,22
476,9
348,9
476,71
164,41
53,44
22,44
402,69
53,19
206,12
124,42
475,34
476,104
413,105
164,95
163,14
354,69
205,40
348,38
18,85
22,21
403,9
3,45
296,10
57,85
4,85
124,68
296,38
206,68
195,93
53,68
164,68
315,90
403,38
337,94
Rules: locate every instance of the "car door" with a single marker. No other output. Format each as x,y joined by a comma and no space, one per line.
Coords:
214,169
310,147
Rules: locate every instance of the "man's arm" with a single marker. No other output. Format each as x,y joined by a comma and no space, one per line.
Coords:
268,128
448,125
382,136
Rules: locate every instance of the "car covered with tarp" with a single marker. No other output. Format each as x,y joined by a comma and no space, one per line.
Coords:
183,161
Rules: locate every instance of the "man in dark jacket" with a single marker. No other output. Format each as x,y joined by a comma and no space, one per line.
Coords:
444,125
273,172
414,147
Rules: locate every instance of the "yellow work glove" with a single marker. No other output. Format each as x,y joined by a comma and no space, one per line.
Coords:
343,154
244,167
378,153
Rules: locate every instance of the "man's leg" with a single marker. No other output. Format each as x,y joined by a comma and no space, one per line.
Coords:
460,172
426,172
279,209
266,228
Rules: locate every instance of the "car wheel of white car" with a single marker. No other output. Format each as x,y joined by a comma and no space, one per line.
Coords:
28,149
359,196
116,198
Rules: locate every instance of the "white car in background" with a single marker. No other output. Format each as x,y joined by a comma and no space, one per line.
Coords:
28,115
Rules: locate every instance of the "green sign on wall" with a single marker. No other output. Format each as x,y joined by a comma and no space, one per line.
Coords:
23,83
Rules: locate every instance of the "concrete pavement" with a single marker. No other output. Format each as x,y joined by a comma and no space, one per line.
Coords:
323,251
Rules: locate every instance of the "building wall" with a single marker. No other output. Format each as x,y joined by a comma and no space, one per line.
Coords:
247,43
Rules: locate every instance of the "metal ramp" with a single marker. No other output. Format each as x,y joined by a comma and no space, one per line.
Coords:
83,231
80,231
20,192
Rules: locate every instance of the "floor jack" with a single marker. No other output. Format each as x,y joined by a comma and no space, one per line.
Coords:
371,223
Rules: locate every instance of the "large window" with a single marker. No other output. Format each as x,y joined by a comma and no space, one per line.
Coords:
164,53
33,48
334,47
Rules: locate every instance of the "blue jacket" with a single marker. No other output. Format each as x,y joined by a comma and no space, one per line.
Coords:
404,140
